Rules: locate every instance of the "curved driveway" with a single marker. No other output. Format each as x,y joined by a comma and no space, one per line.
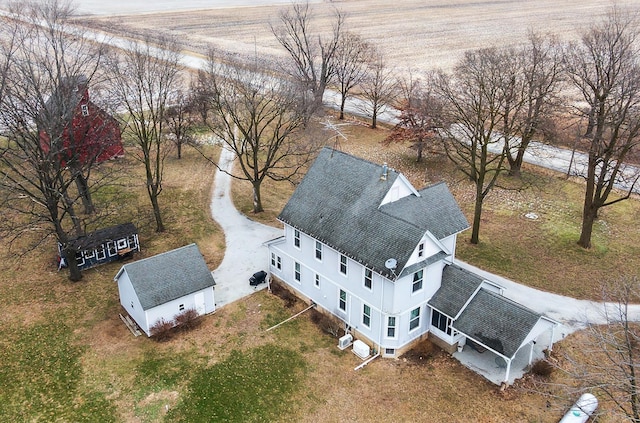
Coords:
246,254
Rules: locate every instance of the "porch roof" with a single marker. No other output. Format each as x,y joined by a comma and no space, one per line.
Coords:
497,322
457,288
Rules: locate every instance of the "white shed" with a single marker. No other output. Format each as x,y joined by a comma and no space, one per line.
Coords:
165,285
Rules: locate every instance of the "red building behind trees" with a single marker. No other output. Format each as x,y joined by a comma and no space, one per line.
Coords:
88,133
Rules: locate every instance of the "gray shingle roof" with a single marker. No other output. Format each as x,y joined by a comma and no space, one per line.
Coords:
457,287
338,201
435,209
497,322
422,264
99,237
168,276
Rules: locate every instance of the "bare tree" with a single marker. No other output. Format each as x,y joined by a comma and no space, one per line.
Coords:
604,68
420,117
144,76
351,64
608,362
379,87
537,77
312,55
180,119
261,119
475,100
40,161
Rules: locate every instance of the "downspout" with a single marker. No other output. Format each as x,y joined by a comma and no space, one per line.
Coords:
364,363
382,320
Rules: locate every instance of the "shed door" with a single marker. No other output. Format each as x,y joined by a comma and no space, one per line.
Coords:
199,300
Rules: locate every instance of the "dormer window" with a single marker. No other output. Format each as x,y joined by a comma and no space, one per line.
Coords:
421,250
85,110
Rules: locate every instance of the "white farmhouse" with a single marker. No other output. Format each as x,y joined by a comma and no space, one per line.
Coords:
363,244
165,285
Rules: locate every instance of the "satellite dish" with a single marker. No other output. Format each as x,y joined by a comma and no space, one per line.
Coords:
391,264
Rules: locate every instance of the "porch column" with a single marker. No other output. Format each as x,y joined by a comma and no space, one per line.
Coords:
531,344
506,376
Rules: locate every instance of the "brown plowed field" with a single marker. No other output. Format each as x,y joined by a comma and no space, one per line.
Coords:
414,34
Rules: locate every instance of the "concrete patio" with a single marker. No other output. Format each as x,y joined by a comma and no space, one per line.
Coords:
493,367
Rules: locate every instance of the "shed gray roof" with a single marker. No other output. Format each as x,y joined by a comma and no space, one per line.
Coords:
99,237
168,276
457,287
497,322
338,202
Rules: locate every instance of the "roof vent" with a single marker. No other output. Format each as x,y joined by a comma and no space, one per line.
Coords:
385,172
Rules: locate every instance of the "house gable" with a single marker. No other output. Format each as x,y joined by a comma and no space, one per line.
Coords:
428,247
400,188
168,276
339,203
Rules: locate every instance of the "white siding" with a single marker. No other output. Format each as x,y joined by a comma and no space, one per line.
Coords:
450,244
171,309
430,248
129,301
400,188
385,298
168,311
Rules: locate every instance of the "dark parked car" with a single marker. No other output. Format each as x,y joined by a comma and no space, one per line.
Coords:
258,278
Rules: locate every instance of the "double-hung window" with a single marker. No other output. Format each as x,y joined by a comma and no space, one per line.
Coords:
368,278
417,281
276,261
317,281
421,249
366,315
342,301
296,272
343,264
319,250
391,327
414,319
296,238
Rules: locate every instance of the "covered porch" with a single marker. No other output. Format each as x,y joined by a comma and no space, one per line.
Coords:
501,338
493,366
